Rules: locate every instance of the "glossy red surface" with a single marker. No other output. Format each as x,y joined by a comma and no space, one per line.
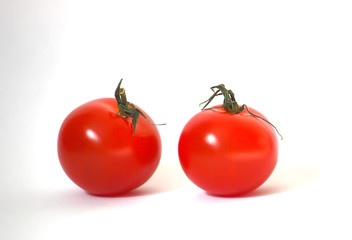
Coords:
228,154
98,152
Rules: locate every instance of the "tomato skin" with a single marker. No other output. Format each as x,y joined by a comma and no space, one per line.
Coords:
228,154
98,151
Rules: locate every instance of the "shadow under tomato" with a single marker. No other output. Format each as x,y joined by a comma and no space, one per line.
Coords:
134,193
168,177
283,179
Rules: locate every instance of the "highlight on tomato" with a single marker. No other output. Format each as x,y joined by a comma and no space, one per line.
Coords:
228,149
109,146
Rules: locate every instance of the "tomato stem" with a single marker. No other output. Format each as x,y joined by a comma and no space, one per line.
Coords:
263,120
230,104
127,109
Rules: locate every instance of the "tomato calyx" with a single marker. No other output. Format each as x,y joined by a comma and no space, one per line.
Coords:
230,104
127,109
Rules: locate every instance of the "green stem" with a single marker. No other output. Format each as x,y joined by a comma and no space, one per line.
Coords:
230,104
127,109
263,120
120,96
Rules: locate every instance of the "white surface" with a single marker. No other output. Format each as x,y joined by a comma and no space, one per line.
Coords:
291,60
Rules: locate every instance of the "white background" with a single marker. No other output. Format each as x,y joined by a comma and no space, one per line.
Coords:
291,60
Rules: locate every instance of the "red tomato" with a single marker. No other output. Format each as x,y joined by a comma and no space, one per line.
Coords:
228,154
99,152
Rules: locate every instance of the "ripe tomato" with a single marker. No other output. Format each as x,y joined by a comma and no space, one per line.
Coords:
100,152
228,154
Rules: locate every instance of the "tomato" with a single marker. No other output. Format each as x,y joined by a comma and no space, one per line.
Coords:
100,152
228,154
